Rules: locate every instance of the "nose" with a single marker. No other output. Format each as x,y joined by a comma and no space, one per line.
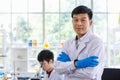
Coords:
79,23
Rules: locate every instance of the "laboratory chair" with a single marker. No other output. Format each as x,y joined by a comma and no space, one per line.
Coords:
111,74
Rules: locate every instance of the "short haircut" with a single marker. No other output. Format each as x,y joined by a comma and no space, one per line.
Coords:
46,55
82,9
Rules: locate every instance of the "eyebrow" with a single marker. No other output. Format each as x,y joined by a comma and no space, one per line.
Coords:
81,18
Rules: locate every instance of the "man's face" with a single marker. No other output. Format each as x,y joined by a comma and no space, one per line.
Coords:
46,65
81,23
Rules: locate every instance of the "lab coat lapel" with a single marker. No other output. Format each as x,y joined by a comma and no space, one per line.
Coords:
82,43
81,47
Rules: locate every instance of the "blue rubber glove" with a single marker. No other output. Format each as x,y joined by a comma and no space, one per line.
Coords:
63,57
87,62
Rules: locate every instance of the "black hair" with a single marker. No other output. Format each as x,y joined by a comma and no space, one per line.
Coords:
46,55
82,9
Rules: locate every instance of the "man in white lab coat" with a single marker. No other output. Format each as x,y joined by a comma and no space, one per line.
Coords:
46,59
77,59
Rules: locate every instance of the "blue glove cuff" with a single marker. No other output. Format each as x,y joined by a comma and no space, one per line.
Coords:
75,62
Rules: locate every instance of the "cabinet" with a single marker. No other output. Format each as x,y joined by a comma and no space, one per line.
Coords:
19,58
25,59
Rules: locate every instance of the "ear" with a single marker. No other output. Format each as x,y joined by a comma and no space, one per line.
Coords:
51,61
91,22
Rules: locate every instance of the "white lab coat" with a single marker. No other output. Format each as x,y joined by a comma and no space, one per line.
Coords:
55,76
89,45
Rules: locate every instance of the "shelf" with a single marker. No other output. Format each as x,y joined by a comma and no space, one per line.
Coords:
19,53
20,66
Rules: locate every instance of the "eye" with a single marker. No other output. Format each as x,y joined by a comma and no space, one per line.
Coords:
75,20
84,20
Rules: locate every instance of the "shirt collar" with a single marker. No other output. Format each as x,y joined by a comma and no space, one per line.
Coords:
84,38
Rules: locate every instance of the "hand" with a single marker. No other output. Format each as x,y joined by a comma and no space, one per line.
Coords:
63,57
87,62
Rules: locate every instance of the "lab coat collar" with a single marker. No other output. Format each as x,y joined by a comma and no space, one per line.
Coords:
49,73
84,38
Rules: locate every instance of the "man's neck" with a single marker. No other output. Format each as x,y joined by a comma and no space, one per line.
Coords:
49,71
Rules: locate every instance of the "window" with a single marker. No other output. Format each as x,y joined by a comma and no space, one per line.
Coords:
43,20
